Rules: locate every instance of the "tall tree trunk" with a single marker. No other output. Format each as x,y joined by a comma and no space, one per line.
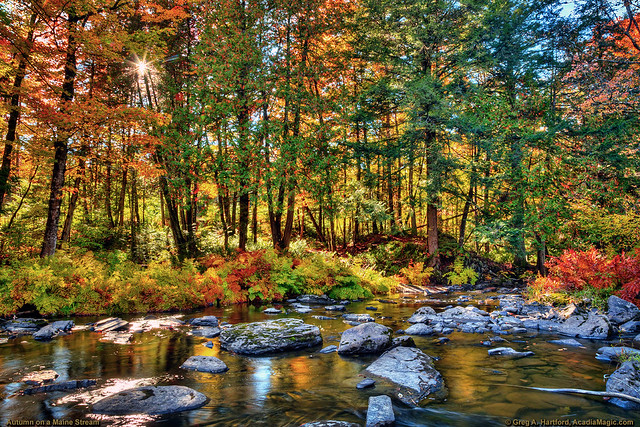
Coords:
66,228
60,143
123,193
14,113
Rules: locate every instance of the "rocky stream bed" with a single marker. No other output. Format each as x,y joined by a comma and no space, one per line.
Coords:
454,358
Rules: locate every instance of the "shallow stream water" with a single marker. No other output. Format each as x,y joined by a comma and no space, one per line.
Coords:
294,388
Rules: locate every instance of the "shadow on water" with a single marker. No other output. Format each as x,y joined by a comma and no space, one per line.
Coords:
303,386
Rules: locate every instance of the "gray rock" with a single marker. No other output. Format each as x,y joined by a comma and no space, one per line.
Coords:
517,330
53,329
40,377
422,315
509,353
412,372
211,321
465,314
621,311
636,339
568,311
626,379
117,337
570,342
110,324
610,354
403,341
23,325
330,423
335,307
209,364
324,318
272,310
315,299
271,336
358,318
372,308
380,412
329,349
209,344
419,329
632,327
366,338
365,383
152,400
61,386
207,331
595,326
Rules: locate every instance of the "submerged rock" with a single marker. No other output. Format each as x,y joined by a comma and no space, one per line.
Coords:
509,353
209,364
412,371
152,400
380,412
53,329
365,383
621,311
367,338
594,326
570,342
271,336
339,307
626,379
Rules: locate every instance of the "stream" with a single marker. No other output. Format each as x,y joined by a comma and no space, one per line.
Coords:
297,387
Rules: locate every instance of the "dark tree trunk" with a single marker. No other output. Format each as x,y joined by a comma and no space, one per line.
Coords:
60,144
14,113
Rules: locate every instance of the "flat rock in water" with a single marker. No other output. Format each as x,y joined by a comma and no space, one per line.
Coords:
152,400
594,326
419,329
366,338
509,353
315,299
380,412
329,349
207,331
569,342
365,383
465,314
611,354
330,423
271,336
324,318
23,325
53,329
61,386
211,321
412,371
40,377
110,324
626,379
338,307
358,318
272,310
621,311
209,364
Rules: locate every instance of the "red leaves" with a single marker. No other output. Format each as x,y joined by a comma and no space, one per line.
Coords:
577,270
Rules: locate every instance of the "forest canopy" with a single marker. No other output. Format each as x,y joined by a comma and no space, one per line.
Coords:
175,129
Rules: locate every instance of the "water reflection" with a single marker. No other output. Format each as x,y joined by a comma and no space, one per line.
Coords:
303,386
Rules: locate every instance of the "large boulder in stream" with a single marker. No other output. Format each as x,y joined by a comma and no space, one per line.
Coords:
621,311
209,364
594,326
151,400
422,315
412,372
614,354
626,380
367,338
271,336
54,329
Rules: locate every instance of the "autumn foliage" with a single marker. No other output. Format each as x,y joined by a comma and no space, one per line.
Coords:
576,271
